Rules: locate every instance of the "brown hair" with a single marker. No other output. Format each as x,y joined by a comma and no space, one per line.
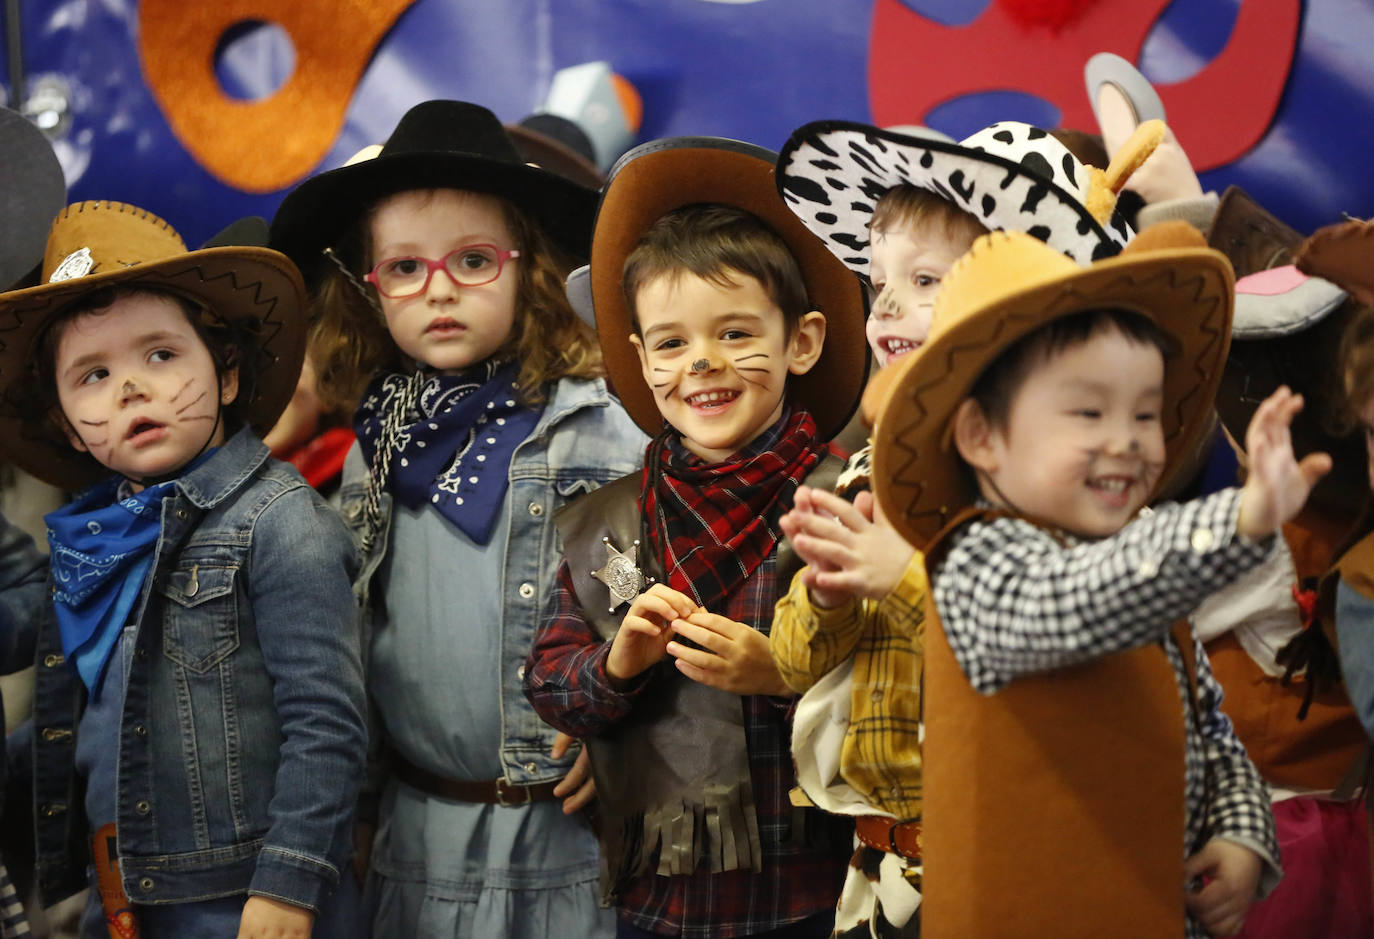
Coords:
908,206
998,384
231,344
1357,368
713,242
350,344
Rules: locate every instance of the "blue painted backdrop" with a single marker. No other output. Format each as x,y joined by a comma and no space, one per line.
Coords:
752,70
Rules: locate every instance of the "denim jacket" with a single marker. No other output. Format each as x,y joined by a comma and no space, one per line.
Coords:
583,439
23,598
242,738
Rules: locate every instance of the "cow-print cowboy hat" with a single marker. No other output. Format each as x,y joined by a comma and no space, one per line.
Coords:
1010,176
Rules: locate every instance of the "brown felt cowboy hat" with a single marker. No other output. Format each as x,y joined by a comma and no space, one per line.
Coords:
658,177
94,245
436,145
1008,285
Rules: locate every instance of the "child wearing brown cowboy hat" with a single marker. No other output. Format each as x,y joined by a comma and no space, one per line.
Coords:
1019,449
201,661
737,340
848,633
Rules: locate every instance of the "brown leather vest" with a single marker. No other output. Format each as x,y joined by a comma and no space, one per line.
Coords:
1054,807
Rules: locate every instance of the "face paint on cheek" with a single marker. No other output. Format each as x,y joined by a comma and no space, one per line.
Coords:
745,370
212,414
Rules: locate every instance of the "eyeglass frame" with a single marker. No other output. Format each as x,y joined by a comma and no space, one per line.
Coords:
502,256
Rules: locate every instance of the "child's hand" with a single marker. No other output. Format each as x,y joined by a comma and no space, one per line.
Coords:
265,918
1232,873
804,508
733,657
639,642
1277,485
849,549
577,788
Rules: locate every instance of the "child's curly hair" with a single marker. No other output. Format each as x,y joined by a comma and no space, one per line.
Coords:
350,343
232,344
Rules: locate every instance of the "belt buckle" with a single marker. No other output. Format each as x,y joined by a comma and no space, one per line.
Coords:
503,790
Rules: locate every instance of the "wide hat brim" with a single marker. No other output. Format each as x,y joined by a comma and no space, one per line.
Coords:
920,480
32,194
234,282
656,178
1009,176
319,211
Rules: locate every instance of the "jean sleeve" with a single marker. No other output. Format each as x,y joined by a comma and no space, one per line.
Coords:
1355,633
23,594
307,623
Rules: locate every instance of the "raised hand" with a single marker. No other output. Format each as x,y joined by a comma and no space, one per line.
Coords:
850,550
1276,484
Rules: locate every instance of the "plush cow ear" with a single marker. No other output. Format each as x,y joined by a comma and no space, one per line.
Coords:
1343,254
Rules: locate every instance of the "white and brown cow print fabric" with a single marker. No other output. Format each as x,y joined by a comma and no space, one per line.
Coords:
1009,176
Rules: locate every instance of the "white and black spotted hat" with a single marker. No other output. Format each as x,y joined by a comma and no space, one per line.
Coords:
1009,176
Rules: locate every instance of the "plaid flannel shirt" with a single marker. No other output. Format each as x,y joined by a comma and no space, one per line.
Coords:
1015,600
881,757
566,680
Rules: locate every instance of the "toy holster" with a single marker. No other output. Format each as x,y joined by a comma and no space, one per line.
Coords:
119,912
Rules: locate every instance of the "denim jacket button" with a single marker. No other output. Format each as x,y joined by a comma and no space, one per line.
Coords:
531,766
141,730
55,734
536,509
49,809
527,590
520,673
145,884
52,660
143,806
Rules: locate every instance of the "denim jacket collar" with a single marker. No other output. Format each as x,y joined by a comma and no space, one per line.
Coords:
224,473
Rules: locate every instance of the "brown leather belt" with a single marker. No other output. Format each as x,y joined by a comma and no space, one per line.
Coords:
886,834
493,792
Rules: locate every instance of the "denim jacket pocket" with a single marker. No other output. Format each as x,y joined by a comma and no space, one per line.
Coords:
202,624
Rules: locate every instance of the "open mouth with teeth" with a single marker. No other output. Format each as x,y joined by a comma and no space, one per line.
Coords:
1115,489
711,400
896,346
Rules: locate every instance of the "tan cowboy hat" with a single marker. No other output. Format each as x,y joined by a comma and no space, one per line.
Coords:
1008,285
654,179
94,245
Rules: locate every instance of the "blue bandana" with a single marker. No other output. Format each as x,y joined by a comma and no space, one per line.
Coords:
100,550
454,446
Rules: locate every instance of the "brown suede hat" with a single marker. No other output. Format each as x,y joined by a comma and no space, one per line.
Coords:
94,245
658,177
1005,287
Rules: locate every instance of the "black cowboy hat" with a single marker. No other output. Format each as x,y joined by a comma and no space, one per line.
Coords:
436,145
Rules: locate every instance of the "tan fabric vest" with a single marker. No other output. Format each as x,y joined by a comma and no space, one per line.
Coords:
1054,807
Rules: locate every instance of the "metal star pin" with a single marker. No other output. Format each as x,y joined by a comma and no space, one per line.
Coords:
621,575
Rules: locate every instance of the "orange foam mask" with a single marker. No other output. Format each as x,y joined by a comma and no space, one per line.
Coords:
264,145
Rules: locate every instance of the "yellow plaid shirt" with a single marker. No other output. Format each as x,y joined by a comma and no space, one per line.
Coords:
881,758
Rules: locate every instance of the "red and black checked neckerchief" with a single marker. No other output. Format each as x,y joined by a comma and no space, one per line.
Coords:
720,520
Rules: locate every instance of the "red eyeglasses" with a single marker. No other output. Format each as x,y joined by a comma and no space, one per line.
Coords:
468,266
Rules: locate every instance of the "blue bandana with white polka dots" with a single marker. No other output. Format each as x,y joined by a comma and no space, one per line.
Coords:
454,445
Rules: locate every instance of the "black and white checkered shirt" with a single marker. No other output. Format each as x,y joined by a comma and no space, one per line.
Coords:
1016,599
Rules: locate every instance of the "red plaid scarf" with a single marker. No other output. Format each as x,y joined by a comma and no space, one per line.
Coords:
720,520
